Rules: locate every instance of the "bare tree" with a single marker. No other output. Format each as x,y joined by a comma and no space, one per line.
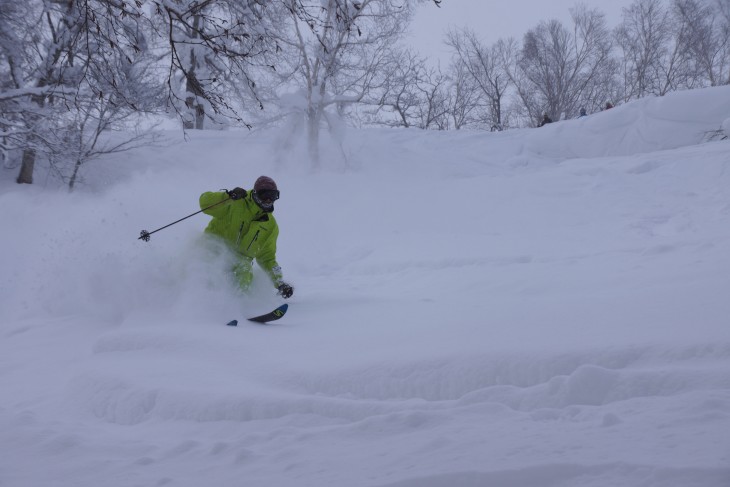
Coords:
653,61
523,103
82,138
561,70
704,31
433,110
466,105
85,131
397,97
485,67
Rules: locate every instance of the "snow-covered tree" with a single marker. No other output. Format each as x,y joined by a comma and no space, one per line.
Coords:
335,51
40,69
213,50
73,60
62,60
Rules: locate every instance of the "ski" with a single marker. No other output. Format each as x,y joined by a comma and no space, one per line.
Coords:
271,316
265,318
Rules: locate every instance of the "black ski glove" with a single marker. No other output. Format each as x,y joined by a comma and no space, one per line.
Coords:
285,290
236,193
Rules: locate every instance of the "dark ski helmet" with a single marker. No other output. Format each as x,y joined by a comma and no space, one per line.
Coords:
265,193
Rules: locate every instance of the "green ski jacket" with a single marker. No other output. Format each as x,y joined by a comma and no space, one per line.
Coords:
249,231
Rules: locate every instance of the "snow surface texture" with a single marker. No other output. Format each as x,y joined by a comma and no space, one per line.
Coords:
544,307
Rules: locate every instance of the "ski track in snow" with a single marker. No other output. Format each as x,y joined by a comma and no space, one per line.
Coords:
535,307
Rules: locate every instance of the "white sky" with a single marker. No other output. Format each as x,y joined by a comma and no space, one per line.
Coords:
495,19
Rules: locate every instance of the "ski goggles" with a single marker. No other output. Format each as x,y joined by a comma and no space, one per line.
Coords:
268,195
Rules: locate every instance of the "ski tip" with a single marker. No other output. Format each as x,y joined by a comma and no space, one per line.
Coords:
232,323
271,316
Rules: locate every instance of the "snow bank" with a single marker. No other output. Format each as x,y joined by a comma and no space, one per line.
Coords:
676,120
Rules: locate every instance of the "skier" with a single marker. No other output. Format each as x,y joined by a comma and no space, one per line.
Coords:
246,223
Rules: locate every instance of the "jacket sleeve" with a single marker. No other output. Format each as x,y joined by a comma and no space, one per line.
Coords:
211,198
267,258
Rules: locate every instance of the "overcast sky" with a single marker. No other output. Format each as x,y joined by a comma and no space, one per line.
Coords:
494,19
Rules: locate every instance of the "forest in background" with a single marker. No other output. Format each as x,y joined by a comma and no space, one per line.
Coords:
78,77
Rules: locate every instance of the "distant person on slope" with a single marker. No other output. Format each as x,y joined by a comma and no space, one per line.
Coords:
545,120
245,222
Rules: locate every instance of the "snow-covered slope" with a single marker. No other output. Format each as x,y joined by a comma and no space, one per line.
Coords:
535,307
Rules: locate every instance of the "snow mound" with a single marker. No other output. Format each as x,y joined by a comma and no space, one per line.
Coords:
676,120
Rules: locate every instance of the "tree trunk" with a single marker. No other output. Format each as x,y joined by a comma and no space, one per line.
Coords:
26,167
196,111
314,118
313,139
72,181
199,117
193,88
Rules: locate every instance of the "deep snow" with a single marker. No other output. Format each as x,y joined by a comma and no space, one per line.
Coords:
534,307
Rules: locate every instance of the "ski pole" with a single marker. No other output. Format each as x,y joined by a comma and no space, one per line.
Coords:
145,235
